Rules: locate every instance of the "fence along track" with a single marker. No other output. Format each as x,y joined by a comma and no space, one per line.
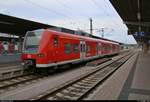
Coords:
82,85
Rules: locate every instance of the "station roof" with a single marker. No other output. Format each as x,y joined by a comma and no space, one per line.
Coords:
135,14
19,26
7,38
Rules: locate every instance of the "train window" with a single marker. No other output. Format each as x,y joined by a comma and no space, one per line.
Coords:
83,47
67,48
75,48
88,48
109,47
55,41
106,48
99,47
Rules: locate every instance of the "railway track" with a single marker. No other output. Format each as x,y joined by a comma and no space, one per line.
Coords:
7,73
78,88
9,64
11,72
23,80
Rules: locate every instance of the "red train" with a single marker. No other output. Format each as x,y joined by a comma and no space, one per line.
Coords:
46,48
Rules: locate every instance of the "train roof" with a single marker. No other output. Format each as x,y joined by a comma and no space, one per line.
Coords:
84,37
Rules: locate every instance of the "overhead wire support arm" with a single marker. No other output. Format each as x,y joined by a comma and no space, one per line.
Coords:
91,26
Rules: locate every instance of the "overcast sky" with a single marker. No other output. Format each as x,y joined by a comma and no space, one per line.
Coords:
72,14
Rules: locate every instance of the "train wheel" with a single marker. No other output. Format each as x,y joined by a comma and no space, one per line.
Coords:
25,67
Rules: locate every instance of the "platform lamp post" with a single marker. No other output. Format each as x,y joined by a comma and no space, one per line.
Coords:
102,32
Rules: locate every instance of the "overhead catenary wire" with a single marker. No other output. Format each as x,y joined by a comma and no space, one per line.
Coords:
104,11
48,9
62,14
52,11
63,4
107,5
68,8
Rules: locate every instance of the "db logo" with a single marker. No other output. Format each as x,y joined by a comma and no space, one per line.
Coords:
29,56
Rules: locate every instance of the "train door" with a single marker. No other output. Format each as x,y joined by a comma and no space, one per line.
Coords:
82,50
111,48
97,48
56,53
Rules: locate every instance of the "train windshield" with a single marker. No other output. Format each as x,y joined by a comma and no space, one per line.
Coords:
32,41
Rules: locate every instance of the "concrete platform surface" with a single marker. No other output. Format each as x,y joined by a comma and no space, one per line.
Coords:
137,86
111,88
130,82
10,58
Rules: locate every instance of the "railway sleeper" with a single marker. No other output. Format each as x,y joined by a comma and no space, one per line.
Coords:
15,80
60,96
2,91
88,83
84,84
71,88
74,89
69,93
80,87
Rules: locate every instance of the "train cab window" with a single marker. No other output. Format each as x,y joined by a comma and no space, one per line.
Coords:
55,41
67,48
75,48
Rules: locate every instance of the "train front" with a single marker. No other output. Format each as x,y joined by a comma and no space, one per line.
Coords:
30,52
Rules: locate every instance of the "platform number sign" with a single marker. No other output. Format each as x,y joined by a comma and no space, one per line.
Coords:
136,34
142,34
139,34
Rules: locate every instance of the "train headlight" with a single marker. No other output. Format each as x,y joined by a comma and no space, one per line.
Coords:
40,55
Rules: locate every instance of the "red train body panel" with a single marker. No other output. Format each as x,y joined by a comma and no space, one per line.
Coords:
47,48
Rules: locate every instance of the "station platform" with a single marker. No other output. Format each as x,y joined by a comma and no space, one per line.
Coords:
9,58
10,66
130,82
